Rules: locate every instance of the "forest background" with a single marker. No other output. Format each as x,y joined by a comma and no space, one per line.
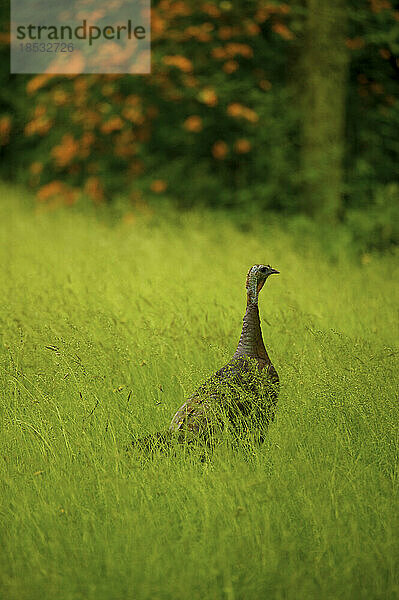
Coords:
277,107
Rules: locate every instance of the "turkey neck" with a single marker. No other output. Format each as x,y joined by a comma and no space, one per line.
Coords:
251,341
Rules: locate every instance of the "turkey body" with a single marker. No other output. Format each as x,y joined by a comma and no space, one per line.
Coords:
241,396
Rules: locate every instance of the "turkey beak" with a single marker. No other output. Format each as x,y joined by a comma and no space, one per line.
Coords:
273,272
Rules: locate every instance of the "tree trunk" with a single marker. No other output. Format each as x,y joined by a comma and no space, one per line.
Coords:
324,73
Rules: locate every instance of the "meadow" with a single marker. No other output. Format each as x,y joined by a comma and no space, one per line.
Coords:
107,327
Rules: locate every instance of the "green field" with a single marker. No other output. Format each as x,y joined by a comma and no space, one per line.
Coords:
106,328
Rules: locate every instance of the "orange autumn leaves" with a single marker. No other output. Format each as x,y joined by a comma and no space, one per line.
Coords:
41,122
193,124
5,130
237,110
220,149
67,155
283,31
159,186
114,123
232,50
92,123
181,62
97,131
65,152
57,192
242,146
208,96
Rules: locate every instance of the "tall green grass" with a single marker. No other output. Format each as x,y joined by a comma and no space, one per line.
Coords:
106,329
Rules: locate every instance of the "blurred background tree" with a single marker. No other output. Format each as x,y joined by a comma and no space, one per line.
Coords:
251,105
324,70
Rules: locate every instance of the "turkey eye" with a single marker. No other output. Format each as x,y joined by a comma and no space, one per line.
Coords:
263,269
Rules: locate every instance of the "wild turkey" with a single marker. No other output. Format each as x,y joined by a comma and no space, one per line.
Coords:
242,395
